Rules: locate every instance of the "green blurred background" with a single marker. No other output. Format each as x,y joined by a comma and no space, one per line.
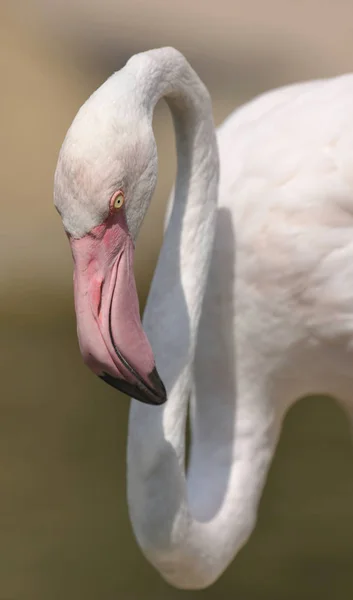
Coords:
64,528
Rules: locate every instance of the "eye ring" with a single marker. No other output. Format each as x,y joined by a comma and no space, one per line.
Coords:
117,201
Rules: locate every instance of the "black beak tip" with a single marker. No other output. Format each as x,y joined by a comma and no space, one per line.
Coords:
153,392
157,385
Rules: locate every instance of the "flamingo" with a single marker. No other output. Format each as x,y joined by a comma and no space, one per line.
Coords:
251,304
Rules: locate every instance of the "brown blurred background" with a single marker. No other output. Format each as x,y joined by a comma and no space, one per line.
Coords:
64,528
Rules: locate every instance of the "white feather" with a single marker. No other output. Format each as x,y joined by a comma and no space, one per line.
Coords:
251,305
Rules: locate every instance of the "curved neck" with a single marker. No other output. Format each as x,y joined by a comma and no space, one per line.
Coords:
173,308
174,304
187,552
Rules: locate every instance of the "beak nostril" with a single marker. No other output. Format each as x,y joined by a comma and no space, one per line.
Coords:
100,298
96,294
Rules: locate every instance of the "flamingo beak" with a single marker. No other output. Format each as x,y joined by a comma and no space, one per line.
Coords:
111,338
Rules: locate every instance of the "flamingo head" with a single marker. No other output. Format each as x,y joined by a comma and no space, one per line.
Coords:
105,177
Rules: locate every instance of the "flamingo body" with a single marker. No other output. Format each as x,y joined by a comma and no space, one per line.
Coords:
251,305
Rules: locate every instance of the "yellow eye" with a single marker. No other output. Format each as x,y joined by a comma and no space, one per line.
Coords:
118,200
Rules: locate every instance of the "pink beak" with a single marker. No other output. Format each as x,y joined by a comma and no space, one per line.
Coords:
112,341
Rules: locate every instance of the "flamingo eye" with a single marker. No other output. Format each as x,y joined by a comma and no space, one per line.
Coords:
117,200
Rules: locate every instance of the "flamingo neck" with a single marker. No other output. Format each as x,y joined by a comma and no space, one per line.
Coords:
157,488
174,305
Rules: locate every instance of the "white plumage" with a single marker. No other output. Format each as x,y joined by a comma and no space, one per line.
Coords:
244,322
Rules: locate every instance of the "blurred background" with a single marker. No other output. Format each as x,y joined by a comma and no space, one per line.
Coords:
64,528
